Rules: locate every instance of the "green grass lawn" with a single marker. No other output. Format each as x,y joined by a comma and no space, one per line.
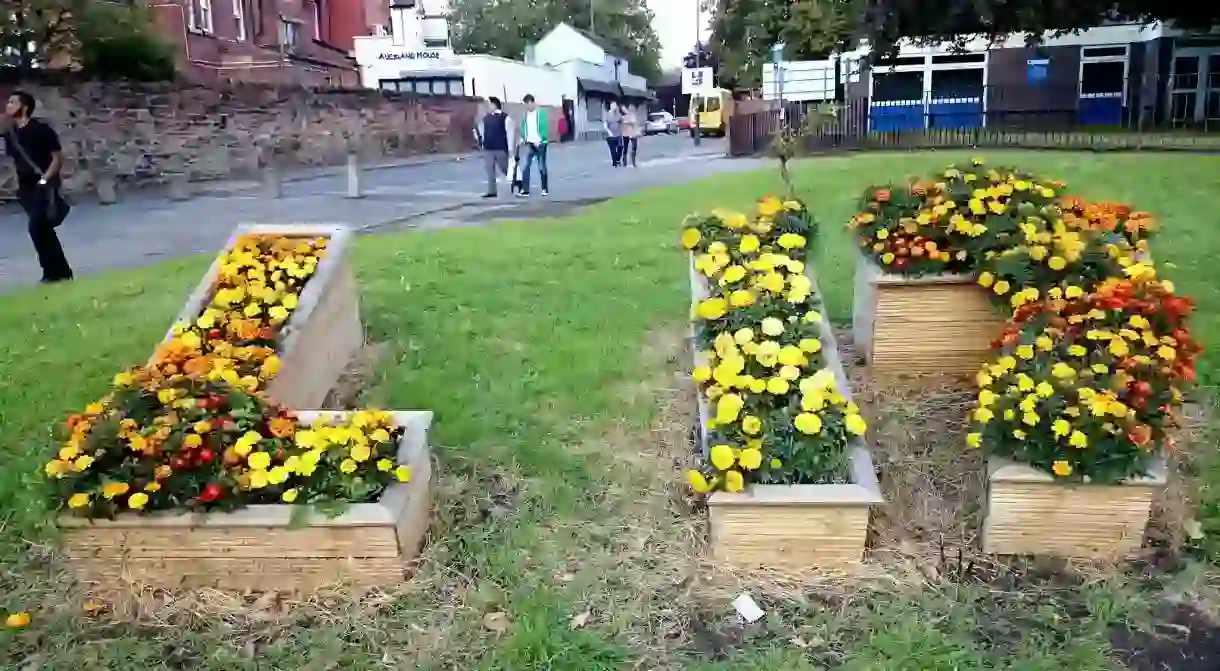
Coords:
551,352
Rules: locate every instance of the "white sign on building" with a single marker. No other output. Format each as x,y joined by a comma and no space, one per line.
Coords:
697,80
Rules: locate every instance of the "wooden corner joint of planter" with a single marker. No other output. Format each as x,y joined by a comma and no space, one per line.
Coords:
265,546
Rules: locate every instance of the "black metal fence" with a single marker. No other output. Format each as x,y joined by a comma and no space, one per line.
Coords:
987,118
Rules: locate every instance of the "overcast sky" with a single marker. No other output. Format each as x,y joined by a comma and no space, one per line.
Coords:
675,25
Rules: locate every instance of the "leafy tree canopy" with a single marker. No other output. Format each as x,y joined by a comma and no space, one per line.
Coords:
505,27
744,30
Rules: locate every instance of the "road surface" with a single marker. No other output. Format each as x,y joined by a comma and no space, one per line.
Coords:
145,228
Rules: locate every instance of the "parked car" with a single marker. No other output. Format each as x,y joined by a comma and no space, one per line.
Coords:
683,123
660,122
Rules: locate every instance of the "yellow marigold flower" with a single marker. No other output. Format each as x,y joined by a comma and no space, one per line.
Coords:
56,468
1056,263
113,489
887,258
698,482
124,380
811,345
269,369
384,465
1031,418
153,487
712,308
855,424
1073,292
1061,427
722,457
192,440
750,459
987,398
1167,353
701,373
690,238
983,415
290,301
778,386
734,481
813,401
742,298
791,241
790,355
1061,468
1025,351
348,466
751,425
790,373
1044,389
137,501
259,461
983,379
1044,343
1078,439
728,407
986,279
203,426
1063,371
1001,287
17,620
808,423
743,336
733,273
278,475
290,495
1077,350
258,479
974,439
749,243
78,501
1119,348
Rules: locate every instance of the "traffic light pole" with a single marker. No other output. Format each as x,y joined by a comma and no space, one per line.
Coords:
698,59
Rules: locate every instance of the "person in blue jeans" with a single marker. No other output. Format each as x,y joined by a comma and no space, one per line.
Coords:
612,119
536,138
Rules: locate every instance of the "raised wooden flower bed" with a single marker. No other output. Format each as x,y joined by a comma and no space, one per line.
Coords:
323,334
1029,512
936,324
794,526
264,547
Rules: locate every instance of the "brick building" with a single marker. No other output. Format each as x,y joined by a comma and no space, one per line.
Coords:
304,42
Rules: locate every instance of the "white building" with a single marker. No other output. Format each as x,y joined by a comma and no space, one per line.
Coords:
594,75
419,24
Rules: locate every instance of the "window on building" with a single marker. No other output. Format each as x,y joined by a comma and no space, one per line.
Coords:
898,86
1102,77
436,42
967,83
433,86
199,15
239,18
317,19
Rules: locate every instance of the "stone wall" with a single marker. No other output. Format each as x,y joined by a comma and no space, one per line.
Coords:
144,133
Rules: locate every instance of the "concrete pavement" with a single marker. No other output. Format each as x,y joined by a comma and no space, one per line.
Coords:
146,228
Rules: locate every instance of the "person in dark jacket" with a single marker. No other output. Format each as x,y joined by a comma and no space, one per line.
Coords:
495,139
34,147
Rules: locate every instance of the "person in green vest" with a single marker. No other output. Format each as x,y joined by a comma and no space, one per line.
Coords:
536,138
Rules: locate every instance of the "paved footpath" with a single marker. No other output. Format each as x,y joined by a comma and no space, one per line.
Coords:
145,228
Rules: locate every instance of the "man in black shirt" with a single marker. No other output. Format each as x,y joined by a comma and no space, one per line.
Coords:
495,138
35,149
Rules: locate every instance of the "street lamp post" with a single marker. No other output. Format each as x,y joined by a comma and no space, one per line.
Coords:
777,57
698,63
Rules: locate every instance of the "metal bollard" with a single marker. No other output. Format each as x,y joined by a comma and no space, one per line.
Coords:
353,175
180,186
107,193
273,182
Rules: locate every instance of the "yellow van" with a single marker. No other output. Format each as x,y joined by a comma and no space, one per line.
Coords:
714,111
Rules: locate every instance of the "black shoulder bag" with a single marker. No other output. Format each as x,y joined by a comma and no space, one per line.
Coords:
52,205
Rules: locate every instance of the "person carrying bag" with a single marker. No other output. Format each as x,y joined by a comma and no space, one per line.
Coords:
35,149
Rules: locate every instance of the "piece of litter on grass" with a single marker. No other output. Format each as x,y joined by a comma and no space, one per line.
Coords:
747,608
1193,529
497,622
581,620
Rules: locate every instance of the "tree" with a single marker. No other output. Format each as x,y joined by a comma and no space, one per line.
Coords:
743,32
36,32
117,42
884,22
505,27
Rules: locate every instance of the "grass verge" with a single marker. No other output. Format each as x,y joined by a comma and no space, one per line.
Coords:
552,354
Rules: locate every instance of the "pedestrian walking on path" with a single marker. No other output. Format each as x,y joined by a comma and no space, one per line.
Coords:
536,139
612,120
631,137
494,139
35,149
